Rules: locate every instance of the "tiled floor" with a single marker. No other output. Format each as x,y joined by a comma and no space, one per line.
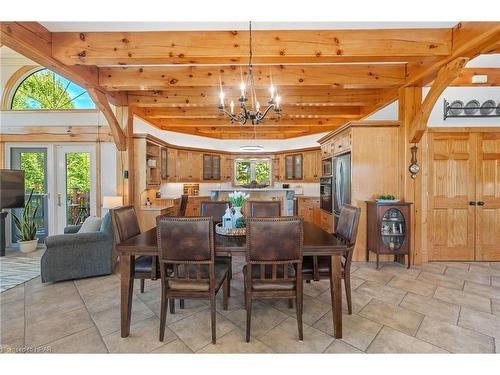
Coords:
433,308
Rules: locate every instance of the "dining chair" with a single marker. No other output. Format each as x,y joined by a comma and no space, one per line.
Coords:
183,205
274,263
215,210
264,208
187,264
125,221
318,267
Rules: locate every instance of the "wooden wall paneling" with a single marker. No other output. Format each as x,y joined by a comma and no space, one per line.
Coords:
2,154
452,176
98,182
488,191
55,134
129,161
375,170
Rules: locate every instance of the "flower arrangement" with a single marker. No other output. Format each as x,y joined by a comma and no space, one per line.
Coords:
238,198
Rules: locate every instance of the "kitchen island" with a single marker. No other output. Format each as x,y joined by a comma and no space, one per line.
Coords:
285,195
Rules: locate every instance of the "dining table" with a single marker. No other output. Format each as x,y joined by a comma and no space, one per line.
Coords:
317,242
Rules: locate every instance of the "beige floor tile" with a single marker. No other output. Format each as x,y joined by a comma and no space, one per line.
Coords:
57,326
11,310
284,338
87,341
481,322
400,271
392,341
108,321
495,306
487,270
497,346
356,330
456,265
174,347
393,316
431,307
372,275
13,294
341,347
315,288
99,284
441,280
476,277
191,306
234,342
495,265
195,330
36,294
482,290
382,292
234,303
52,304
313,308
413,286
12,332
359,300
495,281
264,317
462,298
453,338
100,300
432,267
143,338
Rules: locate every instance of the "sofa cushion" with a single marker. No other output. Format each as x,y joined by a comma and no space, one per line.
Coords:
91,224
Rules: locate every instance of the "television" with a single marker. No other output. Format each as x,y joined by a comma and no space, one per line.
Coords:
11,188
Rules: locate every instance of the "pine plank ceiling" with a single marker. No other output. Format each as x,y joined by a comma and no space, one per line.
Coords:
325,77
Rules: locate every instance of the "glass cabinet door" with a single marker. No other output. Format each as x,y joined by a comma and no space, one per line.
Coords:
393,229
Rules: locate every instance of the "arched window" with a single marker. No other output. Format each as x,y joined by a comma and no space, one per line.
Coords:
44,89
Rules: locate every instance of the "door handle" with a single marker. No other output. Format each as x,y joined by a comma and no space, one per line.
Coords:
59,200
472,203
480,203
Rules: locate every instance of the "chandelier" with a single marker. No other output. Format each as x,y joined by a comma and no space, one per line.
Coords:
254,113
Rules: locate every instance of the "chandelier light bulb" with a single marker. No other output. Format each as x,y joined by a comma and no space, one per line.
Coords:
242,88
257,106
271,89
221,96
232,107
278,99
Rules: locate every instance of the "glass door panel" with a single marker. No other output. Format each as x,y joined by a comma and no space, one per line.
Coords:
33,161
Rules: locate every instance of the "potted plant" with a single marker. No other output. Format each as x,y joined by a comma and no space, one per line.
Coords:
237,199
26,226
387,199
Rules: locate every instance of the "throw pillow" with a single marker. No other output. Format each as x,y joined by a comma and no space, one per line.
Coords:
91,224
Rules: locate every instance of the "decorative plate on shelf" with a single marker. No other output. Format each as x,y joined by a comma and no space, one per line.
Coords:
219,229
456,107
487,107
471,107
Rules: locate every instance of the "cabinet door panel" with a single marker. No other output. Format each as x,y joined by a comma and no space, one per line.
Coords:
451,187
488,191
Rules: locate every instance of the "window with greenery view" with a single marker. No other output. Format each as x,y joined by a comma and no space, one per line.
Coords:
45,89
247,171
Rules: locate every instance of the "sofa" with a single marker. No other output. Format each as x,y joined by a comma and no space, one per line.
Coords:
75,255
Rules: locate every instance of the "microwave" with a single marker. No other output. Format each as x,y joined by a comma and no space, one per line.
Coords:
327,167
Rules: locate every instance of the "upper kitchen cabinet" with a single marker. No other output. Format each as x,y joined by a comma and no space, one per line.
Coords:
293,167
211,167
227,167
189,166
311,166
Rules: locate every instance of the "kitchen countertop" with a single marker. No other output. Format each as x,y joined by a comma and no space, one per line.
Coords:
179,197
155,207
256,189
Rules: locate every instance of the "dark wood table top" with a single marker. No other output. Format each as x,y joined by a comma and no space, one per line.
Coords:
316,242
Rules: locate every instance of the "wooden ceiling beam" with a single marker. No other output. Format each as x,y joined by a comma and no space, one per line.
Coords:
465,77
288,112
34,42
470,39
224,122
290,95
340,75
231,47
446,75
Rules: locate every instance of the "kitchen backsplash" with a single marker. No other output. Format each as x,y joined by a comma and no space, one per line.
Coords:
175,189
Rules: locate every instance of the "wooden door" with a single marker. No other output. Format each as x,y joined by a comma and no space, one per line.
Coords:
451,188
309,169
171,161
227,168
488,192
196,164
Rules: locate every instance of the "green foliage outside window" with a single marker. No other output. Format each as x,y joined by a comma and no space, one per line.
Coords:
78,172
242,172
248,170
262,172
33,165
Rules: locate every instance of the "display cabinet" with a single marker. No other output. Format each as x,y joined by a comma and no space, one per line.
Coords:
388,230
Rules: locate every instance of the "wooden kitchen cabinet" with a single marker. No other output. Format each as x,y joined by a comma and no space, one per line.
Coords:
189,166
293,167
171,165
326,221
211,167
227,165
311,166
193,205
308,208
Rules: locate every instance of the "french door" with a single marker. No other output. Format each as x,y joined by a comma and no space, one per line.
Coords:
75,197
464,196
34,163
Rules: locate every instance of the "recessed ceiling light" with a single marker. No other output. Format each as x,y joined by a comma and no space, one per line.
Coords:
251,148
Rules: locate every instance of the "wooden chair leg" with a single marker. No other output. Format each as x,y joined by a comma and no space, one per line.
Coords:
225,293
212,314
163,315
290,303
172,305
249,316
299,309
308,281
347,284
181,303
142,285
